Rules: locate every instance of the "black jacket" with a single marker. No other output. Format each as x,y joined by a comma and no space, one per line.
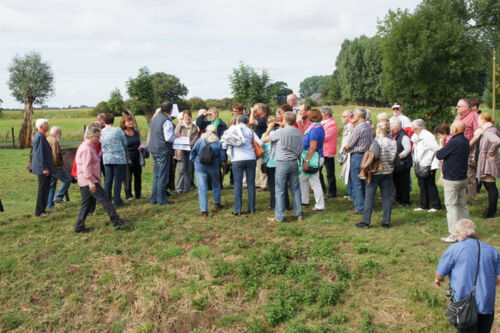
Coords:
455,155
202,125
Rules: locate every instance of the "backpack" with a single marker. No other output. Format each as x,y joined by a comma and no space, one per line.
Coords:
207,154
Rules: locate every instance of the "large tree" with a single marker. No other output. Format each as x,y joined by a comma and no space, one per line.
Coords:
167,87
140,89
312,85
31,82
115,102
278,91
248,86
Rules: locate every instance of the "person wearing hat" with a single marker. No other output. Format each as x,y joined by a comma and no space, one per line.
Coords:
397,111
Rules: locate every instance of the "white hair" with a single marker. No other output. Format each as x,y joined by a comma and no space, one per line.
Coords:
40,122
382,116
395,122
418,123
361,112
467,228
54,130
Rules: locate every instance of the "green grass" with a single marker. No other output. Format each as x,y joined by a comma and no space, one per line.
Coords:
177,271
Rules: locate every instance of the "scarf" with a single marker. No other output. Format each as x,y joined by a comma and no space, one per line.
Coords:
215,123
311,127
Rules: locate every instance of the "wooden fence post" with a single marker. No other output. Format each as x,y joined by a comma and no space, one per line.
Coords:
13,139
84,131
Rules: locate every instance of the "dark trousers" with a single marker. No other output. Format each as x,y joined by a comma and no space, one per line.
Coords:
88,199
492,189
329,165
429,196
271,185
385,184
134,171
483,325
42,196
115,173
401,181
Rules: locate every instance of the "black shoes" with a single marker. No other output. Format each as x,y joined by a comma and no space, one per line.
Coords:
218,206
120,224
204,214
362,225
386,226
83,231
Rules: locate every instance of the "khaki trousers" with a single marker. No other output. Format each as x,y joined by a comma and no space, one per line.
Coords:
455,199
260,177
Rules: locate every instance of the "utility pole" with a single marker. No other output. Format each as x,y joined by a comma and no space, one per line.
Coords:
494,85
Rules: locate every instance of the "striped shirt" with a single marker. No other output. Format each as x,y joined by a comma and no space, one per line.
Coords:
361,137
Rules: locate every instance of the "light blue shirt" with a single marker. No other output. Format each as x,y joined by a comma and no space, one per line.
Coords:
114,145
460,263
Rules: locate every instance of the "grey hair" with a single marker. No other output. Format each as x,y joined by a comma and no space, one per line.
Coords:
54,130
361,112
347,113
418,123
242,119
368,115
326,110
92,131
467,228
395,122
40,122
211,129
383,128
382,116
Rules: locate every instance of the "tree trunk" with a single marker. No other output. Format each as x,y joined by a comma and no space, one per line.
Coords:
26,133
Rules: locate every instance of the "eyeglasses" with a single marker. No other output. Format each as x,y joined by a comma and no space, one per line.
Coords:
395,108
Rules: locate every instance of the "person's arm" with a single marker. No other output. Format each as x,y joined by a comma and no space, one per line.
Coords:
194,151
312,148
265,136
494,144
201,122
406,147
353,139
85,160
168,131
444,152
375,148
439,278
252,121
177,131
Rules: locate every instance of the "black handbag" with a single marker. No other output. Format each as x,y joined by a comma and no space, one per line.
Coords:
422,171
463,313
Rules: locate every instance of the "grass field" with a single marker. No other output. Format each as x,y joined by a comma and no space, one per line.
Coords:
176,272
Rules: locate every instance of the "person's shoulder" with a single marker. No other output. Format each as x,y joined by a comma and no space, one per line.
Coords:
490,248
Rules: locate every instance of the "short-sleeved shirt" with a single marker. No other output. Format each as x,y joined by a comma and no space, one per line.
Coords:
460,263
261,126
317,134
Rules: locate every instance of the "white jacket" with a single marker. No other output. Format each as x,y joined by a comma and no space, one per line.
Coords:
425,147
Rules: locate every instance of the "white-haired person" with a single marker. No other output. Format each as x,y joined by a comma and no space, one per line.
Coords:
401,175
42,165
344,158
383,117
208,171
462,262
59,173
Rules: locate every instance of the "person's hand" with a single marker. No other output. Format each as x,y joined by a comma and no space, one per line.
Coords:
347,148
305,166
271,125
492,157
45,172
437,283
401,156
140,148
252,110
92,187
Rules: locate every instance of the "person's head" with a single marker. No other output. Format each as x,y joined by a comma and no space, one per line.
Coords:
292,100
383,117
261,109
382,129
211,129
457,127
474,102
126,123
242,119
56,132
166,107
237,109
42,125
395,125
272,119
202,112
304,110
418,125
100,119
286,107
187,117
108,119
289,118
314,115
213,114
463,106
442,130
485,118
326,112
397,109
359,115
93,134
466,229
347,116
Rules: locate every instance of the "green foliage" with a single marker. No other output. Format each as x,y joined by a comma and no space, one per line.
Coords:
202,252
102,107
134,106
167,87
115,102
277,92
313,84
423,295
140,89
30,79
248,86
195,103
221,104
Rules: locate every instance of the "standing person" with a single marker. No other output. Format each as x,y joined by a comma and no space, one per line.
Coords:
287,147
292,100
329,149
114,149
401,174
462,262
134,167
303,122
455,156
384,150
313,145
344,157
442,131
160,145
185,167
42,165
359,142
89,180
424,152
208,171
58,172
470,118
258,122
397,111
488,166
238,140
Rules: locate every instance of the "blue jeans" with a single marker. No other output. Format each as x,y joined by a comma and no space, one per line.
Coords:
358,184
247,167
62,175
115,173
287,171
385,183
202,178
161,175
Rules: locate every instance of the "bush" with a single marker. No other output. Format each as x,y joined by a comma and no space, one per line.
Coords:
102,107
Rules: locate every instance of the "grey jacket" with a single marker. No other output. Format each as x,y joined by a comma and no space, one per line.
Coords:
489,146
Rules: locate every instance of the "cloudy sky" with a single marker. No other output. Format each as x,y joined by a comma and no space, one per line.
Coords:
95,46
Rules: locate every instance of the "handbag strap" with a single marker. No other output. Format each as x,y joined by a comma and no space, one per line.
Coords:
477,270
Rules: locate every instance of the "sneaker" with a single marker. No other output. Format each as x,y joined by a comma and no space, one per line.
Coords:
419,209
449,239
362,225
433,210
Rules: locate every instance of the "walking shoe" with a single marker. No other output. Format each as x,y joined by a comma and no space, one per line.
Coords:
300,218
273,219
83,231
432,210
58,201
449,239
362,225
386,226
419,209
236,213
218,206
120,224
204,214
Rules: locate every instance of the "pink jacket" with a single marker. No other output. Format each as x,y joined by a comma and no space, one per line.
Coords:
331,136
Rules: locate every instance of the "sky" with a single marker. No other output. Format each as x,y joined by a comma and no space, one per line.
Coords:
96,46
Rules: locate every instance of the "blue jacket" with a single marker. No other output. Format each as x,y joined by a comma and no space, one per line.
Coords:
456,156
219,155
41,155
